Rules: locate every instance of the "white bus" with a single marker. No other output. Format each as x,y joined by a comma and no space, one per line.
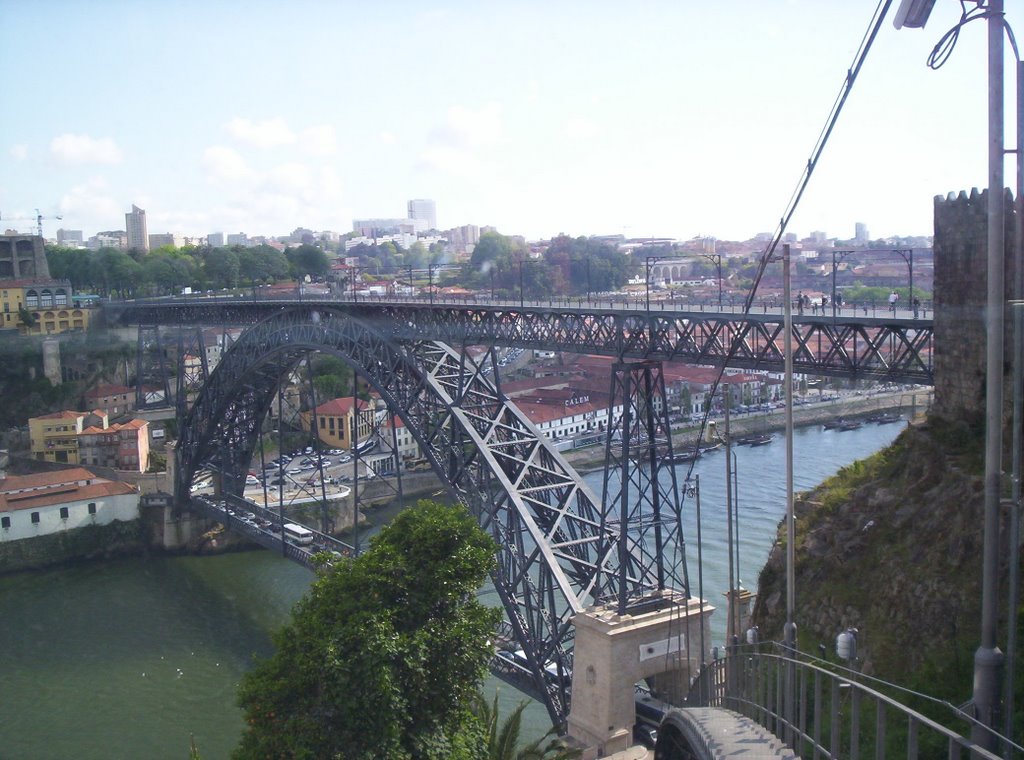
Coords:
298,534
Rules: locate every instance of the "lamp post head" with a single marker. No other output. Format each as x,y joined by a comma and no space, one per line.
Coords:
913,13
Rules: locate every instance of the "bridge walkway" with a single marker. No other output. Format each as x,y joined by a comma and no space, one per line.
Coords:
709,733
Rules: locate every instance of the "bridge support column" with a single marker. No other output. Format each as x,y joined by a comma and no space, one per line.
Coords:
613,652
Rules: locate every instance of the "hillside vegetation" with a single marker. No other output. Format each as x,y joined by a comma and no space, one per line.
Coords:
892,545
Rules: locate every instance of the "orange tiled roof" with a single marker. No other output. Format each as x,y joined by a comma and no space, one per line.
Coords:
62,495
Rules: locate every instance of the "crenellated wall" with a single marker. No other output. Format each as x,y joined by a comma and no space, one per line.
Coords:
961,288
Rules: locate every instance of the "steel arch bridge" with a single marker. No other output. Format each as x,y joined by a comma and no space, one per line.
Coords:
889,348
559,551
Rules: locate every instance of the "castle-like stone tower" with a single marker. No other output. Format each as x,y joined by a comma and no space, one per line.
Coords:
961,293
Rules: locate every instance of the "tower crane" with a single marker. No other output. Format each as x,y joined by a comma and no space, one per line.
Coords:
38,219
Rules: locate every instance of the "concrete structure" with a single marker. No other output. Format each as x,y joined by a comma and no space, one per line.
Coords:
612,653
861,233
70,238
424,212
160,239
54,437
961,284
109,239
215,239
23,257
336,421
239,238
52,502
50,303
115,400
135,224
408,448
51,360
119,446
376,227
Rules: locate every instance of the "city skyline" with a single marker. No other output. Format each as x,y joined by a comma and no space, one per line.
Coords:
669,120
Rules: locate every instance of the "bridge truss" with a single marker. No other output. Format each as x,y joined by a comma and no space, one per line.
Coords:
560,551
880,348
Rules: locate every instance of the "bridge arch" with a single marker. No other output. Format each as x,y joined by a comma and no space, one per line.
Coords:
558,552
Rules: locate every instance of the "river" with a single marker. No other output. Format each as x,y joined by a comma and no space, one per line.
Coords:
126,659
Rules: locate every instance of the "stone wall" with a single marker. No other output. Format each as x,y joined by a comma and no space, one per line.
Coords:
116,539
961,288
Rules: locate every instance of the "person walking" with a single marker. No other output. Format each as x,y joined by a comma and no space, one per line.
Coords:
893,298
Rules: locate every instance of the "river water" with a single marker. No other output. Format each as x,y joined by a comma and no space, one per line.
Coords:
126,659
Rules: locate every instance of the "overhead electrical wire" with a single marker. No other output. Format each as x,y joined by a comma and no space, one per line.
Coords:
878,17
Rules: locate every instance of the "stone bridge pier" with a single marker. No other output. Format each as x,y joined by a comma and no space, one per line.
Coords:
660,642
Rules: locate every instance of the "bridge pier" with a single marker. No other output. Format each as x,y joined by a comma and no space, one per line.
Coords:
661,642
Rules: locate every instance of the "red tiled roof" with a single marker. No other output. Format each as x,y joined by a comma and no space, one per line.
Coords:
64,414
62,495
43,479
339,407
109,390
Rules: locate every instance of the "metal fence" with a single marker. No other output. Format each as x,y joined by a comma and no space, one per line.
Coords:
822,713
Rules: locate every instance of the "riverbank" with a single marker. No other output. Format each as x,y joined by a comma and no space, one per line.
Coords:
907,403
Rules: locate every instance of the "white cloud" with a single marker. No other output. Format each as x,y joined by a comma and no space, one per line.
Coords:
83,149
261,134
319,140
90,201
387,138
225,164
19,152
459,163
467,128
579,128
456,146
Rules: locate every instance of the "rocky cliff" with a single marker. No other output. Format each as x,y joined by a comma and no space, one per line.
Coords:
892,546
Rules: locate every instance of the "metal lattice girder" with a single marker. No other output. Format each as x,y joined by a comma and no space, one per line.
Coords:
640,493
151,370
554,543
880,348
192,369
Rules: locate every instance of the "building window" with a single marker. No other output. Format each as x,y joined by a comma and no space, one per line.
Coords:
5,522
92,507
35,518
63,513
323,423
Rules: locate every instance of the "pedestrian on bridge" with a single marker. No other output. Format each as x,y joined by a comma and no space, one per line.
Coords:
893,298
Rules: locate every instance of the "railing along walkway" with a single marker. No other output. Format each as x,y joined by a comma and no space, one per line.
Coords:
824,714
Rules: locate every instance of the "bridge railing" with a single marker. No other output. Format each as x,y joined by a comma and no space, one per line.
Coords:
824,713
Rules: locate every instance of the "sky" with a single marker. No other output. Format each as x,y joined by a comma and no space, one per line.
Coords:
667,118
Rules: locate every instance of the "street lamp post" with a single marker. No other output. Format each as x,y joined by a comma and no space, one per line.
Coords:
716,259
908,258
842,255
522,302
988,659
648,261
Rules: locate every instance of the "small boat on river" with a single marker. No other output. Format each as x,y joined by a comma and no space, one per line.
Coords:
683,455
756,439
842,424
884,418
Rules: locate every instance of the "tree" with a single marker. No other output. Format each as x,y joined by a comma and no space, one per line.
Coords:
503,742
222,267
384,655
308,259
26,317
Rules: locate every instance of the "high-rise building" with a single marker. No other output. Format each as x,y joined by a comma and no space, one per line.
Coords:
70,238
135,224
423,210
215,240
861,233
